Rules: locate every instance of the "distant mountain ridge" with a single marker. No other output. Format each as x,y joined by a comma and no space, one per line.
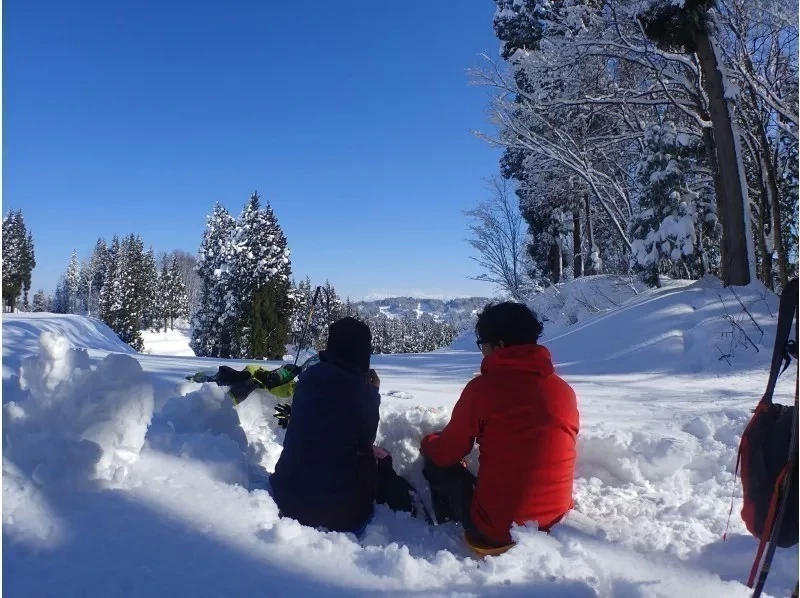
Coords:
460,312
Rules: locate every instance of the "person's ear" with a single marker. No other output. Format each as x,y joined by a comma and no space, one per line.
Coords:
501,344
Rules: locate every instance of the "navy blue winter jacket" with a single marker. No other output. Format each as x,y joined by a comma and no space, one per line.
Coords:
326,475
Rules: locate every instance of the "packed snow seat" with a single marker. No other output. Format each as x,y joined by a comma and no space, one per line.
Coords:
482,550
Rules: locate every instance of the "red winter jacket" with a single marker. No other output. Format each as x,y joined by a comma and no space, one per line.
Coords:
525,419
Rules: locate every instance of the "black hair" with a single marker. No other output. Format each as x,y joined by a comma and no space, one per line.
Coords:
512,323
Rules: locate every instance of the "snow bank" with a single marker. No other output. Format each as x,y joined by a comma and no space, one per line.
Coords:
173,342
684,328
70,421
22,332
563,305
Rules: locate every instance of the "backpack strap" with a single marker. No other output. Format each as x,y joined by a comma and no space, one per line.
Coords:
782,350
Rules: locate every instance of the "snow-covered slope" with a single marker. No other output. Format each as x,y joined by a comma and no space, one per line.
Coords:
173,342
95,513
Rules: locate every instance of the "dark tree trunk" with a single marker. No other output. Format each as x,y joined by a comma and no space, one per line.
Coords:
577,253
555,261
731,202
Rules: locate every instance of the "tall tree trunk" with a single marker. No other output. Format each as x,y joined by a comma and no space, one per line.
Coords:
764,251
589,236
732,206
577,253
769,168
555,261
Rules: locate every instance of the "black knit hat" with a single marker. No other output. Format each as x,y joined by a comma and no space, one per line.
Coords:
350,341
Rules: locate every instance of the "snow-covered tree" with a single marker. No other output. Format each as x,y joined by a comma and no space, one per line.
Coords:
211,331
682,27
174,302
302,295
259,256
60,302
120,297
149,288
40,301
18,259
72,280
676,231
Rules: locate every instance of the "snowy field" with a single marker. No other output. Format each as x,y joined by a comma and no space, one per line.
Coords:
170,342
120,478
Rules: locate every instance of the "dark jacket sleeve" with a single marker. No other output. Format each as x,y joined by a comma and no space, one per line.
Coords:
456,440
370,414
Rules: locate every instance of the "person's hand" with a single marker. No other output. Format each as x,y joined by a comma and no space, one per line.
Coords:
374,379
292,368
283,412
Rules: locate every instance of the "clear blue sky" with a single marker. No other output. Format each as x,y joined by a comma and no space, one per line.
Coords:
352,118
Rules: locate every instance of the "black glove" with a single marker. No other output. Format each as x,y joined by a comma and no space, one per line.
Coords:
293,369
283,411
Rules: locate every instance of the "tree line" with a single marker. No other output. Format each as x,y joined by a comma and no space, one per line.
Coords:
654,137
408,334
238,293
127,287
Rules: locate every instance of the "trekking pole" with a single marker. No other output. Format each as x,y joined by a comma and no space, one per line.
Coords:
308,320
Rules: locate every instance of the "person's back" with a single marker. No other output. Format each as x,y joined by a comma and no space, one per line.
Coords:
326,474
524,418
529,424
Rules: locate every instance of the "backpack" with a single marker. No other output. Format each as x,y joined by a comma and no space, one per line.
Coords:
768,455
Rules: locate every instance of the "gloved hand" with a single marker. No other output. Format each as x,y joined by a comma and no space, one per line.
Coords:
293,369
283,412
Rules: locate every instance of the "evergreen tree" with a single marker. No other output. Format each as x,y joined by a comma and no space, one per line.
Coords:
40,301
175,300
72,280
107,291
161,314
676,231
60,302
127,300
302,295
149,285
259,255
211,332
98,266
18,259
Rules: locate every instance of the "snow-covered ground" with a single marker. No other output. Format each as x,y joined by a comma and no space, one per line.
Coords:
174,342
120,478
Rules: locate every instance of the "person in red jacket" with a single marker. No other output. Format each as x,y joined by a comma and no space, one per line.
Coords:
525,419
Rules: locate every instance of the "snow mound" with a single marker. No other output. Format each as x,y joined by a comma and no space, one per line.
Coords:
22,332
77,422
203,426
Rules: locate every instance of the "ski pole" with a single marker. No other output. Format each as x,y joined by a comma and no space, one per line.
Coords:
308,321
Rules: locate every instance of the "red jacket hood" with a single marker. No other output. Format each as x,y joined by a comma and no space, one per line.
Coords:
534,359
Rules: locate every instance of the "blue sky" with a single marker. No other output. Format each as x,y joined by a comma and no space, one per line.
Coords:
353,119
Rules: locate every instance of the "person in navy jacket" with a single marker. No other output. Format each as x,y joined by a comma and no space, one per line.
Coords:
329,474
525,419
